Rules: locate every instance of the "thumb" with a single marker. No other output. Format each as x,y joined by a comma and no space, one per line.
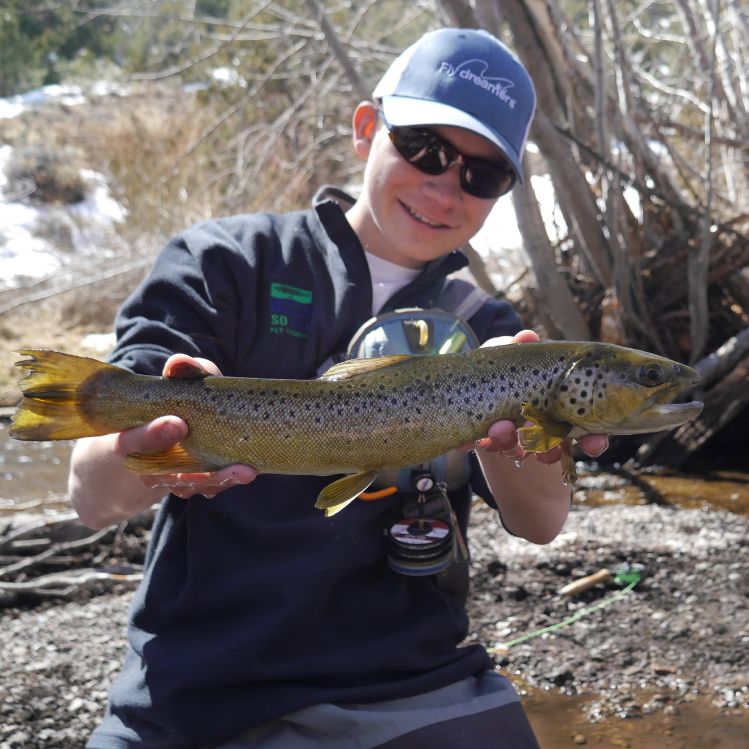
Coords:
155,437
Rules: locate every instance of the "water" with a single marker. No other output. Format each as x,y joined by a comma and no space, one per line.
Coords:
33,475
560,722
712,490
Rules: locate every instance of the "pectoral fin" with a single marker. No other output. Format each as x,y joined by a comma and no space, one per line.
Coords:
174,460
544,433
334,497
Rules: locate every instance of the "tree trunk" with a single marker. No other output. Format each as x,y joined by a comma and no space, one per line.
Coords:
566,318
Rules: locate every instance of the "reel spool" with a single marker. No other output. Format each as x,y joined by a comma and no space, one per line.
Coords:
420,546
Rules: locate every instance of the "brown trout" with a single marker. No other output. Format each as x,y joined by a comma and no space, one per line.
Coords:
363,416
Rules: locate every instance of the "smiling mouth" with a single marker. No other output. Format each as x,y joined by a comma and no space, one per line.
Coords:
421,218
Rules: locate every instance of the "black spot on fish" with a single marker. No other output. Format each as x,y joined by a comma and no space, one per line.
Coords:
580,411
583,393
589,372
564,388
573,400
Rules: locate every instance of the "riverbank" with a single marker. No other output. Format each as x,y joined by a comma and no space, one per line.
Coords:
672,649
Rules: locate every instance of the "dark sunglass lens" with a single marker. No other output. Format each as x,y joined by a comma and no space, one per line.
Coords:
484,180
422,149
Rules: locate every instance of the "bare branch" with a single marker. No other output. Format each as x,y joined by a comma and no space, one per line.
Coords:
338,49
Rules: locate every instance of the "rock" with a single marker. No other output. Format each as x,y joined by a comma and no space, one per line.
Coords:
18,739
495,567
517,594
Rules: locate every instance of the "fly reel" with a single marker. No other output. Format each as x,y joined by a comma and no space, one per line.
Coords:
422,545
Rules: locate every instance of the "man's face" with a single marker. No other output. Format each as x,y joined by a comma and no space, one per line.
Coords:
409,217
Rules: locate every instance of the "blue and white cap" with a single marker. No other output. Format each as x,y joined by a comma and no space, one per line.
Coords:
464,78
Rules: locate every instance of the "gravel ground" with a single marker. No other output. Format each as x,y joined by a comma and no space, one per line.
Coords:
681,632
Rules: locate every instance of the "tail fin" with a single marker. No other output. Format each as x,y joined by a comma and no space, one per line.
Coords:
52,405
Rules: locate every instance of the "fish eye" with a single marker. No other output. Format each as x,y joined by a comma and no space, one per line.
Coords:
650,375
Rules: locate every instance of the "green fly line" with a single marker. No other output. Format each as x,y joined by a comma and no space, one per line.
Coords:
630,577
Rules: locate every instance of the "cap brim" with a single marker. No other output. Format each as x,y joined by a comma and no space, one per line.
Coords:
404,111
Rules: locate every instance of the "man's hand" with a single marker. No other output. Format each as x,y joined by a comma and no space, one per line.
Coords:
503,435
160,434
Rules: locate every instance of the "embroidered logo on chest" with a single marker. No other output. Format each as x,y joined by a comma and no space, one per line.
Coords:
290,310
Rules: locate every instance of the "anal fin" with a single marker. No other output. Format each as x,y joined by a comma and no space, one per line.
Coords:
334,497
174,460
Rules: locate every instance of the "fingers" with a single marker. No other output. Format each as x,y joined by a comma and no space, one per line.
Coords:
502,438
158,436
524,336
184,366
594,445
209,484
155,437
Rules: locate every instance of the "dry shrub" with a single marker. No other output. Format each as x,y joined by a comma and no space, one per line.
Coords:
140,141
46,171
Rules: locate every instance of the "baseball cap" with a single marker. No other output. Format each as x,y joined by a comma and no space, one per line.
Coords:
464,78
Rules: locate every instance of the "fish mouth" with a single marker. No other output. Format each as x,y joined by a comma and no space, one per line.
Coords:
668,415
658,412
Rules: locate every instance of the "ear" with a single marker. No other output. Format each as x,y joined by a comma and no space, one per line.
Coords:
364,126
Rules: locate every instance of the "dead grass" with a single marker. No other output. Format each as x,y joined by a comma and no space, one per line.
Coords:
60,323
148,144
136,142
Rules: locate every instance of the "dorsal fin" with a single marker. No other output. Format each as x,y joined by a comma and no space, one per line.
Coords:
355,367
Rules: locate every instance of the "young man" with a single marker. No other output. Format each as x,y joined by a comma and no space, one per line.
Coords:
260,623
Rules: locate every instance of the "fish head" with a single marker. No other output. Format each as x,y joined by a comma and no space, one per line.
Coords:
616,390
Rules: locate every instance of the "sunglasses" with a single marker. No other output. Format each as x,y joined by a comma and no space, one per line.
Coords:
431,154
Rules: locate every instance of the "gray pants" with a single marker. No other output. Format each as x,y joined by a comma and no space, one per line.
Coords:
482,712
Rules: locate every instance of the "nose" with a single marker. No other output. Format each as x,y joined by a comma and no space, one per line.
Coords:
444,189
